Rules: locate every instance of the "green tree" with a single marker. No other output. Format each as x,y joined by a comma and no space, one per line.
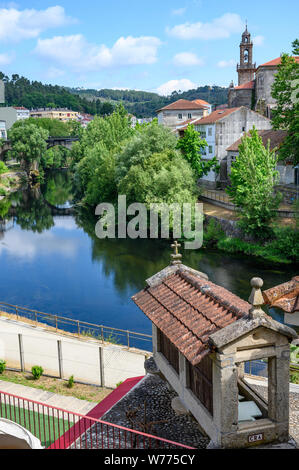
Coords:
285,115
253,176
192,147
28,143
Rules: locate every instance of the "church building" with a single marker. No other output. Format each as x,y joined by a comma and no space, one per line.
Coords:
254,83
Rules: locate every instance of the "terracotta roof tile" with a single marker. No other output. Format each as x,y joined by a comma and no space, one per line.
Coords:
276,138
212,118
284,296
181,105
246,86
188,309
277,61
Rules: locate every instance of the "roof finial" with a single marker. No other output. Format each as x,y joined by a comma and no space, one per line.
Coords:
176,256
256,298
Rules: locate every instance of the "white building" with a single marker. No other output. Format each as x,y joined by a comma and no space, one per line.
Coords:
180,111
221,129
3,133
22,113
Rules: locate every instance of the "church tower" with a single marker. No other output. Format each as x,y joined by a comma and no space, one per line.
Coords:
246,68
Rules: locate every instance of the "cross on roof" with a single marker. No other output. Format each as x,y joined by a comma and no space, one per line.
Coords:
176,255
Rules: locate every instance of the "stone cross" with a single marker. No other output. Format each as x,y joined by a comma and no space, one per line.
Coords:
176,256
256,298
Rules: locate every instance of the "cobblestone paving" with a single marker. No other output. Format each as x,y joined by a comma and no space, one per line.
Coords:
154,391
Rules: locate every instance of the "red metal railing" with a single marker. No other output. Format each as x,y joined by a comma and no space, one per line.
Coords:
60,429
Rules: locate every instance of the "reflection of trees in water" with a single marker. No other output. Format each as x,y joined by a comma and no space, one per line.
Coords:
31,212
57,189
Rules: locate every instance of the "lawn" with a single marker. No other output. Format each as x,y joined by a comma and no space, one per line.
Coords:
46,428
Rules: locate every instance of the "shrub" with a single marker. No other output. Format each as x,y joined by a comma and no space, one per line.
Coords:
119,383
37,372
70,383
2,366
212,233
3,168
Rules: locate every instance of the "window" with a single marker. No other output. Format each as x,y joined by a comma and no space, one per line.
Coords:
180,116
169,351
210,131
189,116
203,134
243,129
210,148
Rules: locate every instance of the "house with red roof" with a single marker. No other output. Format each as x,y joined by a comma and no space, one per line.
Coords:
221,129
180,111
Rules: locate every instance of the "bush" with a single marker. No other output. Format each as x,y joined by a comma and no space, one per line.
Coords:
119,383
70,383
37,372
212,233
3,168
2,366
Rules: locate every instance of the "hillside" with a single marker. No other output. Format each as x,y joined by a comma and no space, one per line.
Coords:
19,91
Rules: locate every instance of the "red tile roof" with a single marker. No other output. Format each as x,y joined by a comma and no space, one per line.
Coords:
181,105
276,138
277,61
188,309
202,102
284,296
246,86
213,117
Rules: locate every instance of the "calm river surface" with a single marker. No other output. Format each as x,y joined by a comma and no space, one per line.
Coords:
54,263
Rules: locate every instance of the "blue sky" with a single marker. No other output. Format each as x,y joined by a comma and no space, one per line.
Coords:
157,45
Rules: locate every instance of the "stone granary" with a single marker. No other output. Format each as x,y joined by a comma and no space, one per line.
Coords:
202,336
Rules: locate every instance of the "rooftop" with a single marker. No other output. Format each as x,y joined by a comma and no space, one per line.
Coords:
211,118
188,308
284,296
276,138
184,104
277,61
246,86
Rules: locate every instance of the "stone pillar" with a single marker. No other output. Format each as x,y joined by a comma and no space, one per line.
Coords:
225,396
155,339
183,371
278,390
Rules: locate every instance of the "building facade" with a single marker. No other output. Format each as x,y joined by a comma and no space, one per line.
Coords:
62,114
3,133
180,111
220,130
22,113
2,92
10,115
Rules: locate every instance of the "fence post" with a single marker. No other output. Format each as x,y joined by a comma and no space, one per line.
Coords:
17,313
60,362
21,349
78,328
128,338
101,367
35,316
56,322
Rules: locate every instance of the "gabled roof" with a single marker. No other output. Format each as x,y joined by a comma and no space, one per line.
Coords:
211,118
246,86
276,138
202,102
284,296
277,61
188,308
182,105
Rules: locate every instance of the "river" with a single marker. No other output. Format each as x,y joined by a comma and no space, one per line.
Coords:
53,262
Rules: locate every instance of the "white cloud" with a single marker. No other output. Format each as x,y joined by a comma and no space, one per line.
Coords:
179,11
54,72
258,40
75,52
187,59
5,59
16,25
175,85
219,28
226,63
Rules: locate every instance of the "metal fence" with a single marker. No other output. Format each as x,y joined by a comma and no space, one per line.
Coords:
60,429
257,367
81,328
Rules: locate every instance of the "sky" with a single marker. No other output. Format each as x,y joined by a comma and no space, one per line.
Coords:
156,45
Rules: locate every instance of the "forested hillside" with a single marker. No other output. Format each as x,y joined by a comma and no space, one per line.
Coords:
19,91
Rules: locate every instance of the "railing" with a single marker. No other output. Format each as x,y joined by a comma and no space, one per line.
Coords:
60,429
81,328
216,196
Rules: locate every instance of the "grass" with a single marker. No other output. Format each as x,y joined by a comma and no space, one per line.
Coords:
82,392
46,428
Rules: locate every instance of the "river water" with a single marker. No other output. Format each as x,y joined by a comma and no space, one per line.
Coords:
53,262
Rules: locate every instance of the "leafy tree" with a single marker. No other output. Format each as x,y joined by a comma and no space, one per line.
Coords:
55,127
28,143
253,176
192,146
285,90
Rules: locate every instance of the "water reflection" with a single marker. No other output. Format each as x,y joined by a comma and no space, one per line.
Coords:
54,262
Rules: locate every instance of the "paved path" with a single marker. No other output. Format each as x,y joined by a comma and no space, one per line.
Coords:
48,398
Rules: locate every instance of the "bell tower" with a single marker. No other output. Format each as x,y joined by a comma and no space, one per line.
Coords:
246,68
